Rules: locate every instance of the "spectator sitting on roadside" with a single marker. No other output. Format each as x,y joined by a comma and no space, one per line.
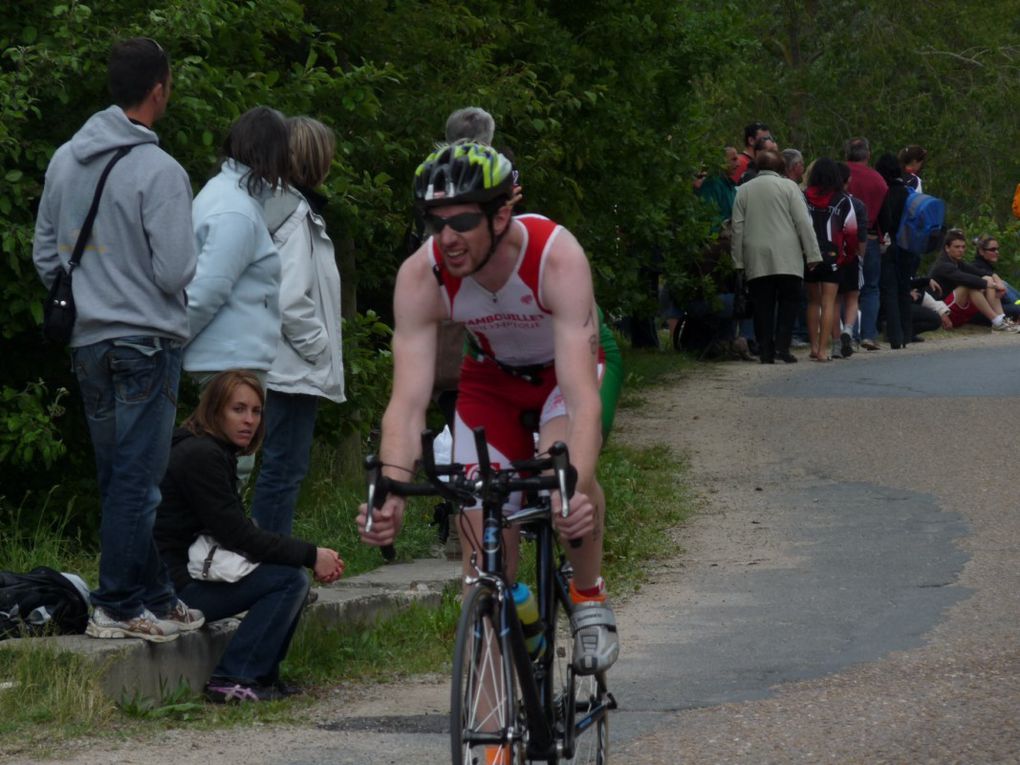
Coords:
986,260
966,291
926,313
200,497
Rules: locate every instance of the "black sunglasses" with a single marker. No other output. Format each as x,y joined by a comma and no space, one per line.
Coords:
434,224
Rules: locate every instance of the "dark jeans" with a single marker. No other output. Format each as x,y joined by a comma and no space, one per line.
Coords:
871,270
129,389
894,286
775,299
290,425
272,595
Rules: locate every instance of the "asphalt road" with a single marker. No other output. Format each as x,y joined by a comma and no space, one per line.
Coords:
850,592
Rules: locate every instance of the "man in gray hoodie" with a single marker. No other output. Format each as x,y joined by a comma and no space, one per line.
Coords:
131,324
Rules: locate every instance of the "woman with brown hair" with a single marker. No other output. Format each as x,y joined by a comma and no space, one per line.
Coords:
200,497
308,364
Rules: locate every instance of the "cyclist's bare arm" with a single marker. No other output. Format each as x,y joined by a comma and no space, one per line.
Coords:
567,291
417,310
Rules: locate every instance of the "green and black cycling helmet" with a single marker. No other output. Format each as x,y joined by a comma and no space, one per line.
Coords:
464,172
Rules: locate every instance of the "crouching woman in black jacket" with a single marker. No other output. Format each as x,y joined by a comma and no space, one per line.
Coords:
200,497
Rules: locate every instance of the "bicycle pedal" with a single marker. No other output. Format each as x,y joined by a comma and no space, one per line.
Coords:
612,701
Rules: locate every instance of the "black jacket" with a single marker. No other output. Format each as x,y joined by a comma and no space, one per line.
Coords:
950,274
200,496
892,208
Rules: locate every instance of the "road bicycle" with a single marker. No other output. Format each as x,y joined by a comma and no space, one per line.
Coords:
505,705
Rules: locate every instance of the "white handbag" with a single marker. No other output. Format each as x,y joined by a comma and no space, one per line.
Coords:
209,562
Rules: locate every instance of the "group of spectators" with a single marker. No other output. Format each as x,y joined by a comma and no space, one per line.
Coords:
240,288
815,249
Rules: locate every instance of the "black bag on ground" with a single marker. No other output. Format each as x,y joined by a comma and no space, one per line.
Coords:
43,601
59,312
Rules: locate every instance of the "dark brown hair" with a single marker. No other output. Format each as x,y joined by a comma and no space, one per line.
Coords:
912,153
207,419
259,139
135,67
953,235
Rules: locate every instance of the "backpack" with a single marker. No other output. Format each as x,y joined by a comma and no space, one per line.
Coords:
921,226
837,212
43,601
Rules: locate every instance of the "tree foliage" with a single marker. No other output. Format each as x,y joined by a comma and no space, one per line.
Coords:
593,99
608,107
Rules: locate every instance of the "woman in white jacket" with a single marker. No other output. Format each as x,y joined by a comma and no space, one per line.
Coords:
308,364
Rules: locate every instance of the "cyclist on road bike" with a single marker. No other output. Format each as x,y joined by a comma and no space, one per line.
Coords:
522,285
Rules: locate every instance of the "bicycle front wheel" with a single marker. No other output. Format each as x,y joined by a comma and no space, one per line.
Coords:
486,720
582,703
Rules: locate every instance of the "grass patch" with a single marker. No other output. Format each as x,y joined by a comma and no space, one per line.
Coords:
47,542
328,509
46,695
417,639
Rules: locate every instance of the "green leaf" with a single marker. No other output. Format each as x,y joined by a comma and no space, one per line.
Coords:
13,176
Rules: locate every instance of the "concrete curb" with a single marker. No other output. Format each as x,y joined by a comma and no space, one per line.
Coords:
134,668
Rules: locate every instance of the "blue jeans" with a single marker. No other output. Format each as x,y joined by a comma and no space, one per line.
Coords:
871,269
129,389
290,424
272,595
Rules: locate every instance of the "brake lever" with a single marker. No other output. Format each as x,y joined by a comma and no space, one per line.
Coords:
373,470
562,469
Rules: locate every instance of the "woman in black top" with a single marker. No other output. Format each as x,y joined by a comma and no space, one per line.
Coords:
200,496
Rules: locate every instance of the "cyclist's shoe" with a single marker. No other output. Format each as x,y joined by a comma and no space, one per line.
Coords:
596,646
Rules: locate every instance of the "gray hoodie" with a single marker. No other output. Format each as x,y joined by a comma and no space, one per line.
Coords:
141,254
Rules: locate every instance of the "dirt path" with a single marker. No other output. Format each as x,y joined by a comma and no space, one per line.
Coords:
765,461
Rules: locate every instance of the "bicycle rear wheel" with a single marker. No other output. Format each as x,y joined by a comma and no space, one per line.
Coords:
486,721
581,700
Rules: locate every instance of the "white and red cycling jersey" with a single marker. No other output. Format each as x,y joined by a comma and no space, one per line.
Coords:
508,382
511,324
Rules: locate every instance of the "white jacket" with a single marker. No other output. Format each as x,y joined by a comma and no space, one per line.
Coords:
308,357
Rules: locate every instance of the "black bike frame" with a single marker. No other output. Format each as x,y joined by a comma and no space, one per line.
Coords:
536,680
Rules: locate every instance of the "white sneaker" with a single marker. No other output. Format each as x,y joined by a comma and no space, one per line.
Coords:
145,626
184,618
596,645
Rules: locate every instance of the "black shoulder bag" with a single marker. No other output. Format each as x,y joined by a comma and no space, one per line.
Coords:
59,312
